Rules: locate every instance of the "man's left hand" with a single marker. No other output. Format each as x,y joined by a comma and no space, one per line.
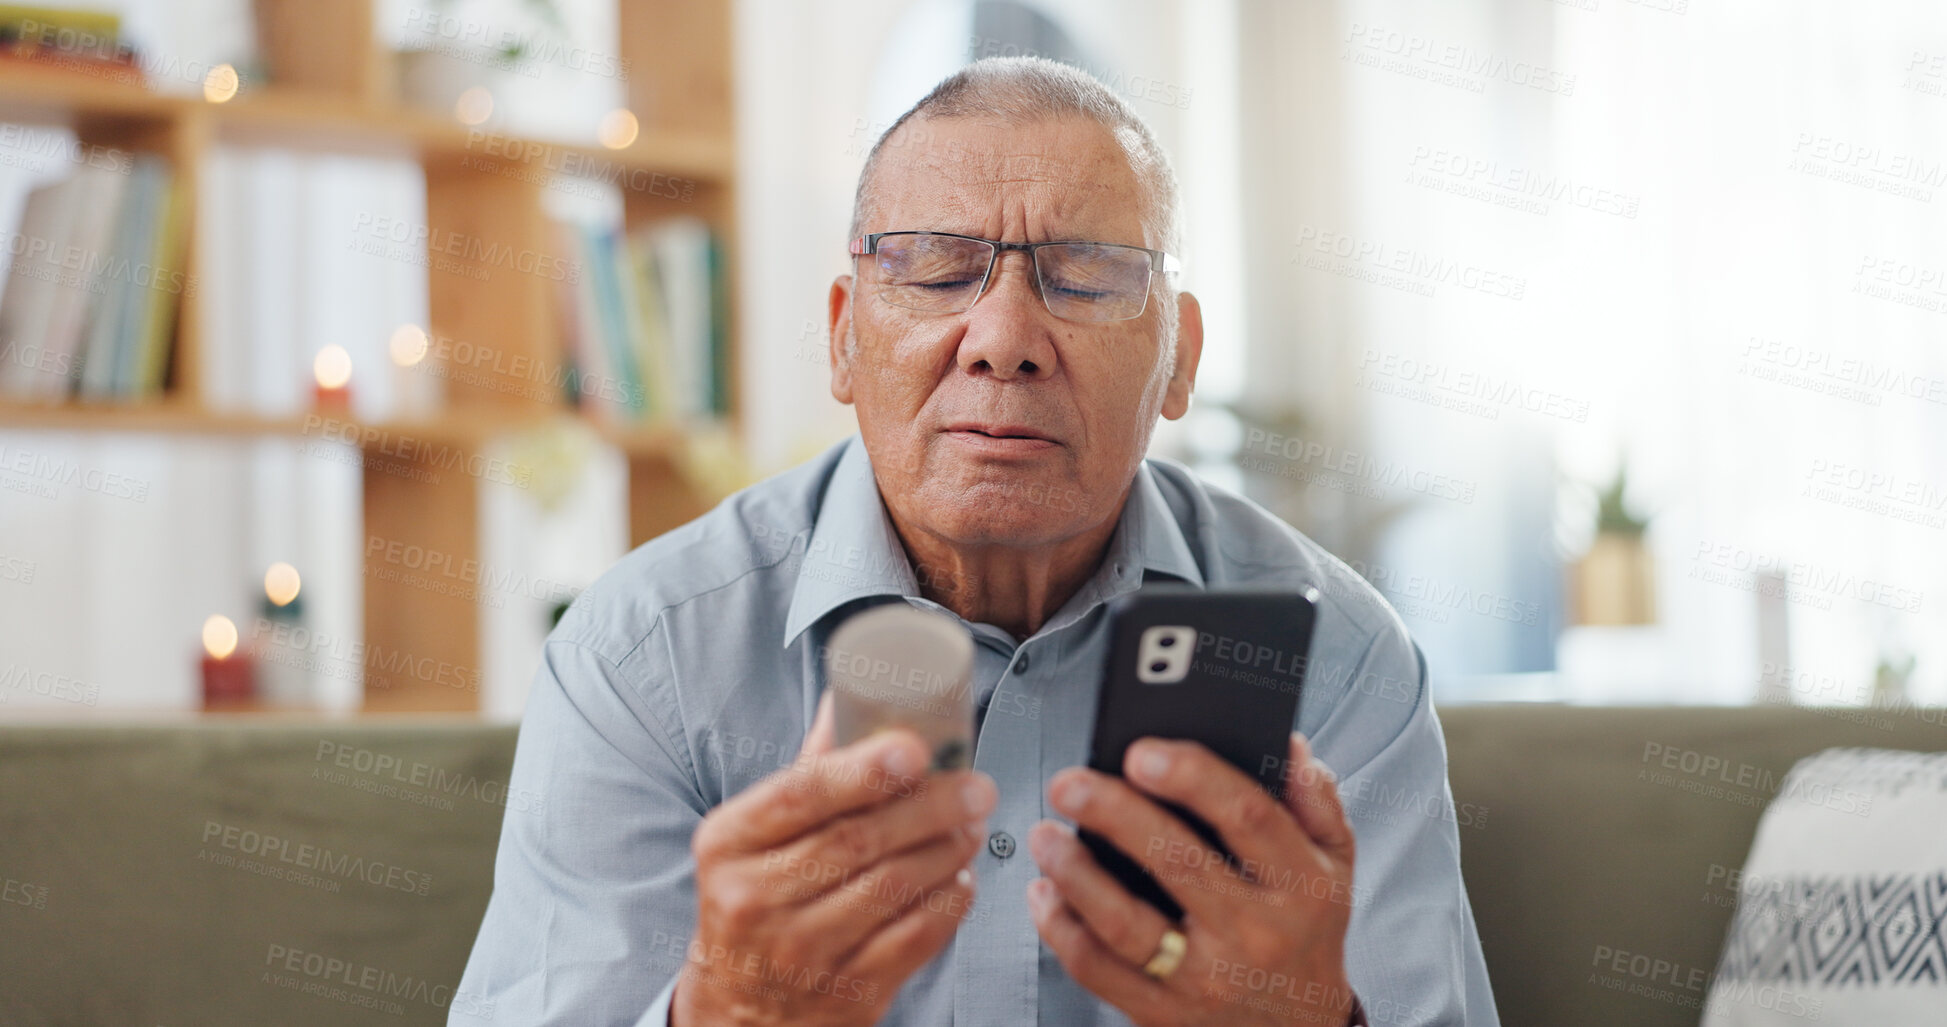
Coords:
1265,930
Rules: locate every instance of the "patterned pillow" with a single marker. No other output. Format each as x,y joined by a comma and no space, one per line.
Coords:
1842,907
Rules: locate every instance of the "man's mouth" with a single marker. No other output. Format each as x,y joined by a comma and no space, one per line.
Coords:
1001,431
1000,436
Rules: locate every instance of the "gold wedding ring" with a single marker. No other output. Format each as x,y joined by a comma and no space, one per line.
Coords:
1169,954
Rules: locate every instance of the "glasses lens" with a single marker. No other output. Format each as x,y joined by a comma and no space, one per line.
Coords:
1094,281
937,273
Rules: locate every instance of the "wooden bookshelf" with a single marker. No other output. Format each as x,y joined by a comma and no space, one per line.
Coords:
310,120
467,430
330,91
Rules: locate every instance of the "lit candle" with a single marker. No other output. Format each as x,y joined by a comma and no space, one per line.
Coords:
220,85
281,585
227,673
415,379
333,370
618,129
474,106
283,674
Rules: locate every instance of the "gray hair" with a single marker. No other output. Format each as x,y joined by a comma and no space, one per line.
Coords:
1029,89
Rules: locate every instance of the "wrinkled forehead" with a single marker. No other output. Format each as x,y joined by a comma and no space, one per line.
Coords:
1055,178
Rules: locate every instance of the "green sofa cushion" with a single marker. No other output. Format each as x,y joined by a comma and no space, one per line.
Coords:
296,872
179,889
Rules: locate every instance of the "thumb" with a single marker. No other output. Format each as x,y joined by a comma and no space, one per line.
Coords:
819,739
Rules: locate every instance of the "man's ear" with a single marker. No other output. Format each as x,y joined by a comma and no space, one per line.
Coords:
839,319
1189,349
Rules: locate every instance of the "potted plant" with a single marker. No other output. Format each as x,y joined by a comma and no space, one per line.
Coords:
441,59
1614,582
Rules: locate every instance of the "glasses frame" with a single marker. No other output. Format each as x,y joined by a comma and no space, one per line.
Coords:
1159,261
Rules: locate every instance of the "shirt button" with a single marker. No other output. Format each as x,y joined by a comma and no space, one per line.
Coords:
1021,664
1001,844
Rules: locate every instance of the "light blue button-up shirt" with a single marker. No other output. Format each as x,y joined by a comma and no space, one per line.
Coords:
690,670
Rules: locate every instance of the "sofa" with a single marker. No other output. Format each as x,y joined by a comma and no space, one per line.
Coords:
261,870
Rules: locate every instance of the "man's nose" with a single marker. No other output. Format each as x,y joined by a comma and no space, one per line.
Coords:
1010,333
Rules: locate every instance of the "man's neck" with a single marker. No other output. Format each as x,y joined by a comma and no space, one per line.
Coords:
1015,588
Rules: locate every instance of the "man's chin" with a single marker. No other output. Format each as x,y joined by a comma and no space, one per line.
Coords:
991,532
1007,510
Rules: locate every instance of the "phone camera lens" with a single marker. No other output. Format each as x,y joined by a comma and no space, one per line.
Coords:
1166,641
1158,667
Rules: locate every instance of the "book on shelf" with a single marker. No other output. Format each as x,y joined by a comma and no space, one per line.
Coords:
105,334
298,254
34,363
89,304
266,207
652,320
646,324
74,39
31,21
167,245
605,265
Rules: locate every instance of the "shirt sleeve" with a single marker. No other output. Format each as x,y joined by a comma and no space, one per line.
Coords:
594,895
1412,953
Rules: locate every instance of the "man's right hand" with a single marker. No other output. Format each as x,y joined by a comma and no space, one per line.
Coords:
821,888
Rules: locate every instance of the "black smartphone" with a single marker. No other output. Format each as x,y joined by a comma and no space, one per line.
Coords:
1223,668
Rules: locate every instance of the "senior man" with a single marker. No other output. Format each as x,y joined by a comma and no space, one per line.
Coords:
706,855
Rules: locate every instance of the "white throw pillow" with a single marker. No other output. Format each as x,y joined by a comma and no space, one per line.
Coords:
1842,908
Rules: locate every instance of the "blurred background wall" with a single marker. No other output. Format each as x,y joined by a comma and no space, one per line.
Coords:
1602,336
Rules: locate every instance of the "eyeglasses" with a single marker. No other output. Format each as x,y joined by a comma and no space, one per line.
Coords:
942,273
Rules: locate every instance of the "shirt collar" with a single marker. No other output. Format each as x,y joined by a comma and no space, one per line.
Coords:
853,552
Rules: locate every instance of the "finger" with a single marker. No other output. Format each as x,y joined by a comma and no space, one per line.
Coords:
1312,795
813,791
1194,873
1089,962
853,842
1127,925
1251,822
820,739
825,910
896,950
954,804
841,918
